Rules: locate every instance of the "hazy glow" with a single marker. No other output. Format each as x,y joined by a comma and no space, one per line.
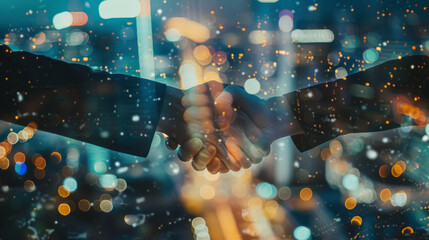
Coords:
188,74
70,184
286,23
350,182
79,18
370,55
173,35
399,199
108,181
119,9
266,190
252,86
302,233
190,29
63,20
340,73
260,37
313,36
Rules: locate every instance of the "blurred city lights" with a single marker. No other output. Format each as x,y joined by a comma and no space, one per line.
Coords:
119,9
252,86
313,36
266,190
399,199
370,55
20,168
64,209
189,29
70,184
108,181
350,182
302,233
62,20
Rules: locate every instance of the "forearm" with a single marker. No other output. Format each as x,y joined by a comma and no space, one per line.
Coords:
373,100
115,111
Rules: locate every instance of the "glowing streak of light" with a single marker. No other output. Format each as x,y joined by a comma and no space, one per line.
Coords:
145,41
190,29
228,223
313,36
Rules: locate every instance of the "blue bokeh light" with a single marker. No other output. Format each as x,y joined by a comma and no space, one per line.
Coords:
20,168
108,181
266,190
302,233
350,182
70,184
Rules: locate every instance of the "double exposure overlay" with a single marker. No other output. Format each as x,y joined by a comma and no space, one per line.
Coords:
196,119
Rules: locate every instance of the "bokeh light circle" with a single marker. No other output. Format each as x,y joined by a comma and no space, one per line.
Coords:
252,86
70,184
302,233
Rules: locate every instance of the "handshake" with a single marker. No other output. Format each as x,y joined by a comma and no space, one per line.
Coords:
222,127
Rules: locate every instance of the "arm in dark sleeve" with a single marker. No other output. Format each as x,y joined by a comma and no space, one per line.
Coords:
114,111
373,100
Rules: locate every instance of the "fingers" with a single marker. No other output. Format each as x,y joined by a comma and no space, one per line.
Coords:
189,149
194,99
202,158
236,152
254,154
236,97
223,168
214,165
224,110
197,114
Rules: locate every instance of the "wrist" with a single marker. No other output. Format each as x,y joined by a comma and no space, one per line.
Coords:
171,115
284,119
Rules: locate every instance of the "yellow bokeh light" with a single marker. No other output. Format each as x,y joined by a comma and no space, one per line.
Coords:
356,220
335,147
384,171
2,151
64,209
350,203
56,157
4,163
385,194
19,157
195,31
207,192
271,209
306,194
40,163
202,54
84,205
106,206
62,191
29,186
396,170
407,231
255,202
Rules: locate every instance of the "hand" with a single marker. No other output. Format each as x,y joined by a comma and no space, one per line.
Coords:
232,149
271,118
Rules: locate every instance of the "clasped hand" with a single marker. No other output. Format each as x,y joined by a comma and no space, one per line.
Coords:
227,128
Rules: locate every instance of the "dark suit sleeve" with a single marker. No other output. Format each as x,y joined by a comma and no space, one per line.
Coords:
373,100
114,111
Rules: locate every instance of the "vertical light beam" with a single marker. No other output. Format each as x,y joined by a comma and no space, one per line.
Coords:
145,41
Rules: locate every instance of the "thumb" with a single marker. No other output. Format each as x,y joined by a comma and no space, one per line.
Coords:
236,97
224,111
